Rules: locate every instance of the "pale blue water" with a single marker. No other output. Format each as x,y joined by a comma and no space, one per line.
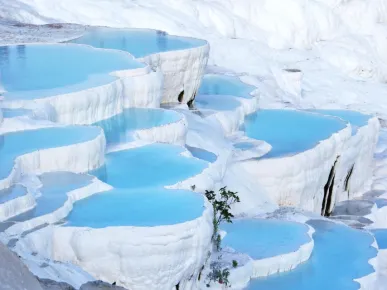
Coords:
290,131
263,238
244,145
356,119
139,207
381,238
37,71
202,154
12,193
55,186
225,85
340,255
380,202
15,144
10,113
148,166
138,42
117,127
217,103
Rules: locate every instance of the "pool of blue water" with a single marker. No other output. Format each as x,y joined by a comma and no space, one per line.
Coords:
217,103
290,131
263,238
138,42
38,71
139,207
19,143
10,113
55,186
381,238
334,263
117,127
244,145
380,202
225,85
202,154
356,119
12,193
148,166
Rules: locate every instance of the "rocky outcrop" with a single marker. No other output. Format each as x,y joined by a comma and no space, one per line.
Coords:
14,275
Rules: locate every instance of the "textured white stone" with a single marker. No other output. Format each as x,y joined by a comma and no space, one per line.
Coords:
182,70
157,257
79,157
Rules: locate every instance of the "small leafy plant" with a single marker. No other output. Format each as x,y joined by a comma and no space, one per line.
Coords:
218,275
221,204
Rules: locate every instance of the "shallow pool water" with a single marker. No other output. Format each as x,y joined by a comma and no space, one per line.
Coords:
356,119
12,193
11,113
148,166
19,143
38,71
139,207
117,128
138,42
244,145
381,238
264,238
380,202
217,103
334,263
225,85
202,154
55,186
290,131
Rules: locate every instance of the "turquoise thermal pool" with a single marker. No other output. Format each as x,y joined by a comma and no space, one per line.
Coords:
117,128
14,144
225,85
290,131
334,264
149,166
264,238
139,207
37,71
138,42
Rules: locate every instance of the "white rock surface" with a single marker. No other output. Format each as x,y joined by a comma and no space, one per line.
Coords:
135,257
79,157
182,71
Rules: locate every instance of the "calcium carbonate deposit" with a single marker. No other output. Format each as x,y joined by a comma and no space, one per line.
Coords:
182,145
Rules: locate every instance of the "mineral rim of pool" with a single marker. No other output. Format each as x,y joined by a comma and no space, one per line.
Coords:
138,42
19,143
117,128
290,131
340,255
54,190
265,238
42,70
148,166
140,207
225,85
356,119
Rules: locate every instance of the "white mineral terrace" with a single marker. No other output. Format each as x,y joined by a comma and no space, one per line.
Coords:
111,137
